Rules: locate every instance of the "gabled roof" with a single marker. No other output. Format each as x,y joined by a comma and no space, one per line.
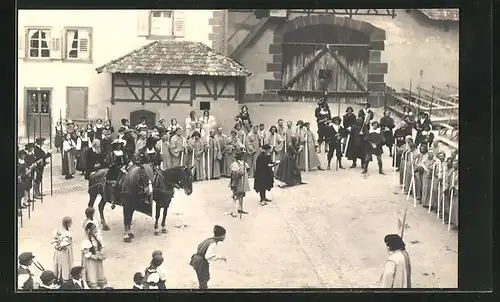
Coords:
176,58
451,14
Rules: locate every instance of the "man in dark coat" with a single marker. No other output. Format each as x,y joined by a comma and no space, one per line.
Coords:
420,124
323,115
264,175
355,143
95,159
30,159
374,143
387,124
150,154
399,136
76,282
41,156
129,139
204,254
48,279
24,275
366,114
349,119
335,134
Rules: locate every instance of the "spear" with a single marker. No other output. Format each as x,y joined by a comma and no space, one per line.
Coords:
402,225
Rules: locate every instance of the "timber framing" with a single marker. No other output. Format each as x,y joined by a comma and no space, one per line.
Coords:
216,87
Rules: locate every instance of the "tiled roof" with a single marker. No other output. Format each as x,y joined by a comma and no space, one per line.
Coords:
451,14
176,58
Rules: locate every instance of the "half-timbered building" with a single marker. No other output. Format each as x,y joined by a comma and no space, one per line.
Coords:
168,79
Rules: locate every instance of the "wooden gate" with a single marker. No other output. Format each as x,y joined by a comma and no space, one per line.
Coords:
347,65
38,113
136,116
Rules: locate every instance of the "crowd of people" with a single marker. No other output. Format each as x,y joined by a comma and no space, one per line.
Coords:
266,153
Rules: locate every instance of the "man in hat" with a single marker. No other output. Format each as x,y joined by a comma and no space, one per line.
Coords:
334,134
76,282
129,139
206,253
24,275
323,116
150,153
397,269
23,181
125,124
48,279
420,124
387,124
40,157
399,137
366,114
117,162
264,175
252,143
30,159
374,143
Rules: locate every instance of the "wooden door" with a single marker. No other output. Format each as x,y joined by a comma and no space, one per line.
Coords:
136,116
38,111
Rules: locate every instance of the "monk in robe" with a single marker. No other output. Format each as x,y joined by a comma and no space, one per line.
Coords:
164,147
232,147
409,165
276,143
213,156
447,180
281,127
222,140
240,132
419,169
309,143
397,269
197,148
287,135
429,164
177,149
437,187
263,135
252,146
404,155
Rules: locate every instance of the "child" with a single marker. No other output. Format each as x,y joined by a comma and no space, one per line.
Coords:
138,279
154,274
239,182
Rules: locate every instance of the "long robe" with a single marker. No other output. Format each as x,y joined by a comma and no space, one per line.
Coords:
288,170
242,135
164,147
418,166
68,163
287,138
208,124
403,150
197,148
397,271
387,126
313,159
437,187
399,137
264,176
252,146
213,155
264,137
276,141
233,145
409,172
451,181
63,254
222,140
427,179
83,152
239,183
454,209
176,150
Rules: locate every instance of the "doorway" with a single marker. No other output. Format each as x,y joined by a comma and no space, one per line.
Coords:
136,116
38,121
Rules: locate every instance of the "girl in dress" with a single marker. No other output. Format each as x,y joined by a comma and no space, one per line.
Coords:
240,132
68,164
172,129
190,122
58,141
208,121
243,118
63,254
90,132
98,129
93,258
198,128
111,129
239,182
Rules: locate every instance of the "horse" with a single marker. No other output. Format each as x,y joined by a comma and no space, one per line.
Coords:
98,186
147,183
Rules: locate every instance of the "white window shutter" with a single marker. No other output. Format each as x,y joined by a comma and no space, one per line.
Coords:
84,44
55,44
143,23
21,46
179,24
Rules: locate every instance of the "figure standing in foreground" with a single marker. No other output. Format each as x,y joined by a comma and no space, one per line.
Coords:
264,175
374,143
93,258
288,170
206,253
63,254
239,181
397,269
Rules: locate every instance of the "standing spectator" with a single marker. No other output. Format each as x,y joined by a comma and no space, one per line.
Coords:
243,118
77,282
206,252
41,156
78,151
154,275
221,140
94,159
68,157
397,269
177,148
98,128
63,254
213,156
239,181
208,122
312,156
48,279
387,124
264,175
58,140
85,144
24,275
90,132
138,281
93,258
164,146
252,146
190,122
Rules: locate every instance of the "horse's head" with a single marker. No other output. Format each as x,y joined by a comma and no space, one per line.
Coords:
181,177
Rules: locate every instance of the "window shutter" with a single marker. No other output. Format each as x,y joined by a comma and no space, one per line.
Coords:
143,23
179,24
55,44
84,44
21,46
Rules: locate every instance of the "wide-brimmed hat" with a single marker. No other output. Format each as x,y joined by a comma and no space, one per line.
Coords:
47,276
40,140
29,146
26,257
300,122
336,118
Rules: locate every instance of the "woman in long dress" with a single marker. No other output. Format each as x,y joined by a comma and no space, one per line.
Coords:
177,149
191,121
310,142
233,146
438,177
164,147
59,138
288,170
419,169
78,151
197,148
68,163
404,155
213,155
276,142
63,251
428,163
172,129
93,258
243,118
240,132
90,132
208,122
85,145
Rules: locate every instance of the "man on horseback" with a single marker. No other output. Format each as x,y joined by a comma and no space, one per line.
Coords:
150,154
117,162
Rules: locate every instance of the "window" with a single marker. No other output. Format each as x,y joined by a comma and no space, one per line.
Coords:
77,103
39,43
162,23
77,44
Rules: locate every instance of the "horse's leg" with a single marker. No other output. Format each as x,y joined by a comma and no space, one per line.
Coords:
127,220
157,217
102,204
164,218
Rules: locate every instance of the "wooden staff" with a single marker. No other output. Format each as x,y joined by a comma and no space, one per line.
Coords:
192,158
107,113
442,192
182,153
405,155
285,141
451,199
432,187
307,154
413,177
209,160
394,164
347,143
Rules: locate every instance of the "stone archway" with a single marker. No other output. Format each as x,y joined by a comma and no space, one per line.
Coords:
135,117
376,68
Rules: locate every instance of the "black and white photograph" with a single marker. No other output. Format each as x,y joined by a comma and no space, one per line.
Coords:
209,149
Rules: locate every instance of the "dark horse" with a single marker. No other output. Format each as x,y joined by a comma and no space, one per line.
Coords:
135,190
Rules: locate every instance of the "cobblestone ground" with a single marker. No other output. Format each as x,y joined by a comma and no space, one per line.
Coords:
328,233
